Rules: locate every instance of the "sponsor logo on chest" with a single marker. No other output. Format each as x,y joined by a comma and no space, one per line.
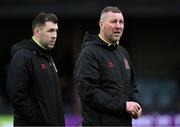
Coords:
110,64
43,67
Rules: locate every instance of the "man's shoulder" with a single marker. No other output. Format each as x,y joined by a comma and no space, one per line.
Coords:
90,49
25,46
24,53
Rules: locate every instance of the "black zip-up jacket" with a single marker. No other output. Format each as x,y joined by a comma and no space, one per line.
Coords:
106,81
33,86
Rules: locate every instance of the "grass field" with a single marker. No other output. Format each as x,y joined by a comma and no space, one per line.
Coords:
6,120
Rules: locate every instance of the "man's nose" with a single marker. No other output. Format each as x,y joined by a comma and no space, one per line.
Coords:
54,34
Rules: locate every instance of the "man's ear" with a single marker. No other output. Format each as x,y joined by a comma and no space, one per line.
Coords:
100,23
37,31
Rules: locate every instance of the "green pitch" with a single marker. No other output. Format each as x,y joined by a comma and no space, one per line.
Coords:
6,120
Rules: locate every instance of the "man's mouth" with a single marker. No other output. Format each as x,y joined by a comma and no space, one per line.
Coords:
52,42
117,33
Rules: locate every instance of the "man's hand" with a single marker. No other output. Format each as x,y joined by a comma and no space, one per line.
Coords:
134,109
136,116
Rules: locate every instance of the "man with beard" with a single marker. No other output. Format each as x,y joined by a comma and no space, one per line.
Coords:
32,82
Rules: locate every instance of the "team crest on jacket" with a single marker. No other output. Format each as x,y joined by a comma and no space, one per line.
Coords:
126,63
43,66
110,64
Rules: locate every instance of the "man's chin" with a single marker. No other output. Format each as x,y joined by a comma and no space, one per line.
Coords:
51,46
116,39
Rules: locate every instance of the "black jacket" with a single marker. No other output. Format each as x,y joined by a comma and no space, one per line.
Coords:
106,81
33,86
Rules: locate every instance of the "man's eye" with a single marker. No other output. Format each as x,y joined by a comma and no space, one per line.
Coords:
113,21
52,30
121,21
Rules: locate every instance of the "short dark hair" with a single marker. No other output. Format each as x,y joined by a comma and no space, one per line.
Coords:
42,18
111,9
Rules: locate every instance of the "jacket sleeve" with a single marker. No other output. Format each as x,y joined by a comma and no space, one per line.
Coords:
135,91
87,73
18,85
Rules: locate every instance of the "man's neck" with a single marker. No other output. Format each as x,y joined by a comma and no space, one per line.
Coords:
37,42
105,40
102,38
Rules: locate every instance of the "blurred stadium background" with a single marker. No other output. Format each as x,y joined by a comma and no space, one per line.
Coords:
151,36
